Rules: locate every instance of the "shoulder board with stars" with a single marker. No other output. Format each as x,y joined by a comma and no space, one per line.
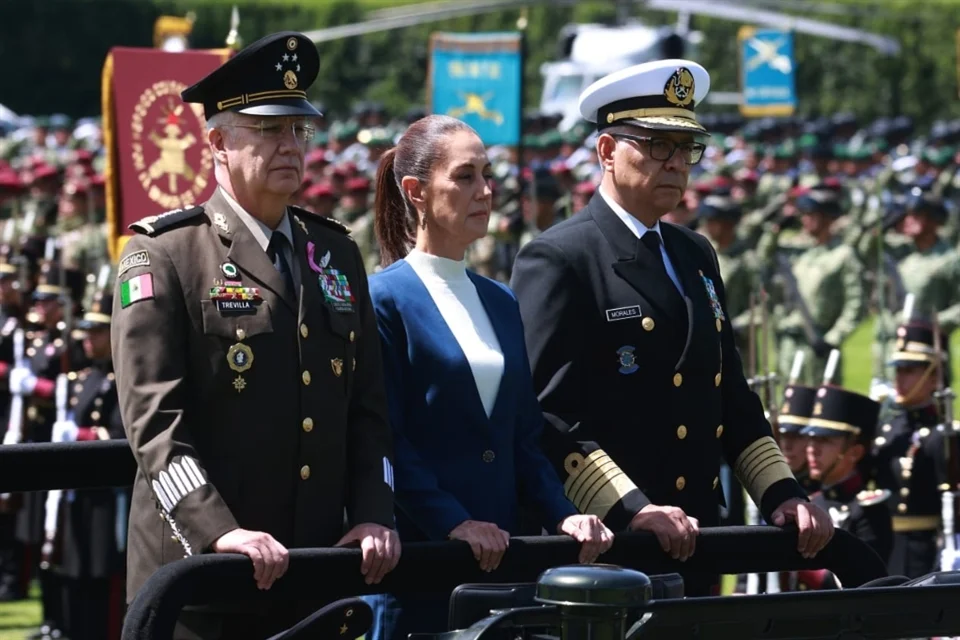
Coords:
870,498
331,223
152,225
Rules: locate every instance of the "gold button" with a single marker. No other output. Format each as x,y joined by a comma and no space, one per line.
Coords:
306,377
353,336
716,481
94,415
719,430
304,331
677,380
308,424
880,441
488,456
241,334
904,492
681,483
887,428
719,325
682,432
648,324
305,472
716,380
905,474
924,432
902,508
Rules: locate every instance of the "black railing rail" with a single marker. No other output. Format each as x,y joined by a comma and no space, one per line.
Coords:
71,465
324,575
882,613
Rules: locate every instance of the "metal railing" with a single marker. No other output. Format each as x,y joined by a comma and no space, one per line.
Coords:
324,575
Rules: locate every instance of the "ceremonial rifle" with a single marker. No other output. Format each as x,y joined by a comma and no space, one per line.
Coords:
50,549
831,369
944,398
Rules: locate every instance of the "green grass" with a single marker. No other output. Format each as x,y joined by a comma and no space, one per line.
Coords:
20,619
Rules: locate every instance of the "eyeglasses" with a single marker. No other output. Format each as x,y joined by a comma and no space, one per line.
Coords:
303,132
662,149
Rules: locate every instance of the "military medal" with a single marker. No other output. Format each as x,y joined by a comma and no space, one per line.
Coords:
627,359
714,300
334,284
233,299
229,270
240,358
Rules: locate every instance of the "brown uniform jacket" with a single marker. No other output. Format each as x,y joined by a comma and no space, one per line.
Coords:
271,419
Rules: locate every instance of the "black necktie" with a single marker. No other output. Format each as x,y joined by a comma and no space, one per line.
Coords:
276,254
651,239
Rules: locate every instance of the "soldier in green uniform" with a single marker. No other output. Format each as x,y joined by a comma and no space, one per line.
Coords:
840,431
911,451
82,241
355,213
926,265
819,288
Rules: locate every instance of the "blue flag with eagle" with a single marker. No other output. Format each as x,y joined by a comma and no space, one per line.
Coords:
477,78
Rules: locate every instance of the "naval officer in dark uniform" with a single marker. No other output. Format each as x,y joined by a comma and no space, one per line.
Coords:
840,433
248,360
629,339
911,451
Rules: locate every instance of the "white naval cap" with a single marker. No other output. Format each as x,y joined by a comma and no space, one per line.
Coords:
654,95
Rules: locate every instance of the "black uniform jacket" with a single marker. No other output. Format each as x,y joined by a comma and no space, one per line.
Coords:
643,387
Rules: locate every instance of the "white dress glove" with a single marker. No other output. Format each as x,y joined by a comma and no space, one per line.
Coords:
22,381
65,431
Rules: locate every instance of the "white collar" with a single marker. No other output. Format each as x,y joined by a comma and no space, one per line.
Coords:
429,265
261,232
637,227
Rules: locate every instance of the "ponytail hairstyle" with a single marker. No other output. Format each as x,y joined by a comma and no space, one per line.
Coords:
418,151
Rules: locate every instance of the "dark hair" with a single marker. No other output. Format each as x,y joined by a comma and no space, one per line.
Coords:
417,152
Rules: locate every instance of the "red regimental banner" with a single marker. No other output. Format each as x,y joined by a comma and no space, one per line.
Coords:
157,155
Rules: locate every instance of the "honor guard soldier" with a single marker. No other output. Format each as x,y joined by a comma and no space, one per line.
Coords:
840,433
49,351
85,548
798,402
911,451
12,584
629,335
248,359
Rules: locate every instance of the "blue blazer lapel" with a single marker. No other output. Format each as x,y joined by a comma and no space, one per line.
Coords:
446,343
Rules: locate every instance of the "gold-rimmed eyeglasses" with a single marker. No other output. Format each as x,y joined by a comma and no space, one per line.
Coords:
303,132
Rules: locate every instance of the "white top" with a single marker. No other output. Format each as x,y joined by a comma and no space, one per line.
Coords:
638,230
459,303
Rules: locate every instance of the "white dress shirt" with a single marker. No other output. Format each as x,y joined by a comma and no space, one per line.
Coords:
638,230
262,233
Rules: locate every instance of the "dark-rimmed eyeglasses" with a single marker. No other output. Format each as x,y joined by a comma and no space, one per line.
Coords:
662,149
304,132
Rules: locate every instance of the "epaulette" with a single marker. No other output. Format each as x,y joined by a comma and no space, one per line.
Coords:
152,225
332,223
870,498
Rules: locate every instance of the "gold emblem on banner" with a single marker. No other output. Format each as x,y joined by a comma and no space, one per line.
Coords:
163,130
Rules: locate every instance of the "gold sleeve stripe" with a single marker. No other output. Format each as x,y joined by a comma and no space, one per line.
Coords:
761,465
595,483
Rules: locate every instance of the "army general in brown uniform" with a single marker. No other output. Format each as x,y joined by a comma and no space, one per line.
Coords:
247,357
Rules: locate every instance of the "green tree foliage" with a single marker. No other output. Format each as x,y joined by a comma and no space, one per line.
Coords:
55,51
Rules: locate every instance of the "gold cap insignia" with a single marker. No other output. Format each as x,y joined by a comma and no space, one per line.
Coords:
679,89
290,80
817,409
292,44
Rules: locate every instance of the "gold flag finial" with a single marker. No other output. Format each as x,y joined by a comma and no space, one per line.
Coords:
233,38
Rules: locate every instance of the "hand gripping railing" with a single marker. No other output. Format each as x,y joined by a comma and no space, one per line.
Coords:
323,575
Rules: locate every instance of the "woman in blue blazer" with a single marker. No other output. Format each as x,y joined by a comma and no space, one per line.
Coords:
465,417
